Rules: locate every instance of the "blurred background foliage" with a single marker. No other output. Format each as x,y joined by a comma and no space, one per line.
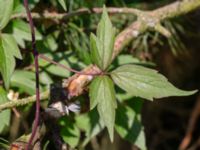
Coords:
67,42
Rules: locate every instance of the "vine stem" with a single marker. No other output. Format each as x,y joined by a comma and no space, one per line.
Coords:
68,68
36,54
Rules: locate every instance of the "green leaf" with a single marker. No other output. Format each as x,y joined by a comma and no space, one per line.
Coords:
63,4
6,8
24,80
95,46
4,115
102,94
45,79
94,92
8,50
91,124
4,144
70,132
18,7
129,59
102,45
129,127
12,45
145,83
22,32
48,43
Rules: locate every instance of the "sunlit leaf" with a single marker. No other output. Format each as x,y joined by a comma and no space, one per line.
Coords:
24,80
22,32
63,4
102,94
145,83
4,115
6,8
102,45
8,51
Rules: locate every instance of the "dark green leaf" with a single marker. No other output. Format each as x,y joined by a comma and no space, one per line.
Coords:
4,144
91,124
8,50
70,132
48,43
6,8
102,45
129,127
102,94
145,83
129,59
4,115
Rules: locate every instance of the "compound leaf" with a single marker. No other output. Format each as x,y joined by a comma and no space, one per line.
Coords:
6,8
102,45
8,51
4,115
102,94
145,83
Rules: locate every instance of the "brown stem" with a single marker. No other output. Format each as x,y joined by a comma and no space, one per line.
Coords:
68,68
35,53
191,126
59,16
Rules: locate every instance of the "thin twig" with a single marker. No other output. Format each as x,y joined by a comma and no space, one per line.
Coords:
191,126
35,53
23,101
68,68
60,16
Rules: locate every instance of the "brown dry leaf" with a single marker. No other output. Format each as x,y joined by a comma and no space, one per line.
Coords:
76,84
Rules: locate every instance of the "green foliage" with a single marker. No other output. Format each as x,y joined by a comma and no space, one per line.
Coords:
8,52
129,127
102,45
145,83
67,43
63,4
24,80
22,32
70,133
6,8
4,143
4,115
60,57
102,94
91,124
